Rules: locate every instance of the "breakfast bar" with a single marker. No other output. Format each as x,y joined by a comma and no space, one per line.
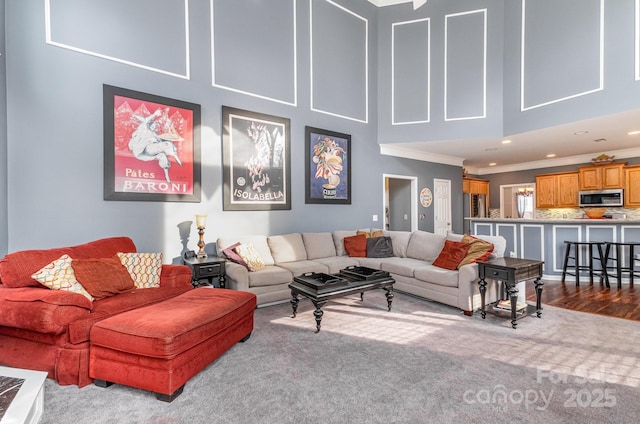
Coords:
543,239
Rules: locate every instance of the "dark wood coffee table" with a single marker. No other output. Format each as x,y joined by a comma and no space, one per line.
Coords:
320,288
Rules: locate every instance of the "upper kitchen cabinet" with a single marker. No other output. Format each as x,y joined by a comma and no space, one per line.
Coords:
475,186
632,186
602,177
557,190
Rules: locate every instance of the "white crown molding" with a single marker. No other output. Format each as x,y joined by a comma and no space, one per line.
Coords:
549,163
402,152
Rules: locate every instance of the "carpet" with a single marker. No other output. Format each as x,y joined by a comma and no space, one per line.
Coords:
423,362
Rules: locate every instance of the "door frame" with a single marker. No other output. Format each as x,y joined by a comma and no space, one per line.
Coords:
414,198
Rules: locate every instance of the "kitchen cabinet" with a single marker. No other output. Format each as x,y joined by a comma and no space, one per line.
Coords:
475,186
602,177
557,190
632,186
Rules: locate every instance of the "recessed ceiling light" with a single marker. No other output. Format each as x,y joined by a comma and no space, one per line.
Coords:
492,164
633,133
581,132
551,155
506,141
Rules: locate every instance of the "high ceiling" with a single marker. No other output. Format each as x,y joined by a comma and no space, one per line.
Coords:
573,143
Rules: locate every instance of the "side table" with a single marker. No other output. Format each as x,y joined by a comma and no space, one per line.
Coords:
207,268
512,271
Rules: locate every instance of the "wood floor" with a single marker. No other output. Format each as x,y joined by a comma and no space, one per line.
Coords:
594,298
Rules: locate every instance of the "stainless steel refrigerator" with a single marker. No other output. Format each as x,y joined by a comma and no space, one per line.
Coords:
475,206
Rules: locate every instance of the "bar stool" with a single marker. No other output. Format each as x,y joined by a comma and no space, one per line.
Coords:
620,259
577,247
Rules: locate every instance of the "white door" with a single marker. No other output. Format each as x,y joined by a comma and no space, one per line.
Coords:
441,206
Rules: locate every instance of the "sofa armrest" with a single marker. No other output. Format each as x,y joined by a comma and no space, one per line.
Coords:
237,276
173,275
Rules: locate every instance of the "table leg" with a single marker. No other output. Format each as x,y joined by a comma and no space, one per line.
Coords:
483,290
389,294
318,314
294,303
513,295
538,282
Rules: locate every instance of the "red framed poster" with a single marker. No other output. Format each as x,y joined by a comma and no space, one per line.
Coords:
151,147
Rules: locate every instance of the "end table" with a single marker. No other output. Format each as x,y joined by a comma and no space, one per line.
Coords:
207,268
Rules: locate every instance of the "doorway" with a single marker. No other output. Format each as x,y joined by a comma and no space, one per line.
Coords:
517,200
441,206
400,202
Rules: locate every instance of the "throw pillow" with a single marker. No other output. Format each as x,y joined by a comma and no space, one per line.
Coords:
452,253
103,277
250,256
144,268
478,250
231,254
59,275
370,234
379,247
356,246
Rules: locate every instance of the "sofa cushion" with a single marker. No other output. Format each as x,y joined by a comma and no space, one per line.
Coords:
16,268
319,245
424,245
435,275
250,256
356,246
144,268
287,248
379,247
338,240
478,250
400,241
59,275
452,254
259,244
401,266
336,263
103,277
300,267
270,275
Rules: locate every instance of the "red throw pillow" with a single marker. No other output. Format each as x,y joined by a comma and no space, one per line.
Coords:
231,254
451,254
356,246
102,277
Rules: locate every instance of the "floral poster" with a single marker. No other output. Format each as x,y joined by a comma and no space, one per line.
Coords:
152,147
328,167
255,161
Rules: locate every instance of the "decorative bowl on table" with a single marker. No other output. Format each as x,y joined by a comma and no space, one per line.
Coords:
595,213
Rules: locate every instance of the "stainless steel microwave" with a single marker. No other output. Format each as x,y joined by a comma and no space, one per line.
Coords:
601,198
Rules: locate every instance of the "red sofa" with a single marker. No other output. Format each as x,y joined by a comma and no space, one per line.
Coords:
48,330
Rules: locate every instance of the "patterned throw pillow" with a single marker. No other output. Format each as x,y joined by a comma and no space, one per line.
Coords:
144,268
59,275
250,257
103,277
479,250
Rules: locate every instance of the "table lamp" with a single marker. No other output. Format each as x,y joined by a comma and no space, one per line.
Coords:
201,223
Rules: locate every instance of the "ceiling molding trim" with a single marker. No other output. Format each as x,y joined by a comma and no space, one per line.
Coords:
391,150
549,163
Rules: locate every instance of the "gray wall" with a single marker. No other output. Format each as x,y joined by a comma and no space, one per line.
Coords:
4,224
54,162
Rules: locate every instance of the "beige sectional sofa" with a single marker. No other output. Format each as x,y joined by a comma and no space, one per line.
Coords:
289,255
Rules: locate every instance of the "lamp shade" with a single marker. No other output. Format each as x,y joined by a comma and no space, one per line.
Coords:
201,221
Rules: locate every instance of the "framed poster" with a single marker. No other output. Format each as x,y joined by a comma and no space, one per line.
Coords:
151,147
255,160
328,167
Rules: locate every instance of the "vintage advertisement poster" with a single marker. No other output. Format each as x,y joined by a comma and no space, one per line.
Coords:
256,161
328,167
154,148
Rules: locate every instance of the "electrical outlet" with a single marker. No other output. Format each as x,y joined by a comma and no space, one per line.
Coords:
512,254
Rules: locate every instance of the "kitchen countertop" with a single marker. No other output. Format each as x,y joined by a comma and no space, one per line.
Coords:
559,221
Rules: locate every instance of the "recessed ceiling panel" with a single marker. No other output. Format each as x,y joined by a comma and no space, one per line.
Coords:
121,30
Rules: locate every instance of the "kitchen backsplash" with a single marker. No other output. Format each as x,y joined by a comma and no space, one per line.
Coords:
572,213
